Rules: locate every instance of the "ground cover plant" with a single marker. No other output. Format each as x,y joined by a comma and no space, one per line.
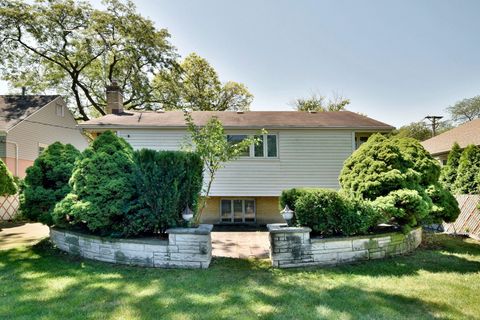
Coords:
438,281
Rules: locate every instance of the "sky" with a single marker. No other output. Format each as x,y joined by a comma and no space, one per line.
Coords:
397,61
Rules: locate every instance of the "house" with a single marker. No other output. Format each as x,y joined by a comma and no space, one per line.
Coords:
301,149
465,134
29,123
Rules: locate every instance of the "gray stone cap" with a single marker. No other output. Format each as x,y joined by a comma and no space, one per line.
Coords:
204,229
366,236
144,240
284,228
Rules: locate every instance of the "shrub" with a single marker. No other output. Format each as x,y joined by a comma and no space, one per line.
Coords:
468,168
7,182
395,175
289,196
46,182
449,171
103,188
168,181
377,168
405,206
329,213
445,206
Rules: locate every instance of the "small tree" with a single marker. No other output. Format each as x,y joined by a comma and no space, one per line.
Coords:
449,171
468,168
211,144
46,182
7,182
465,110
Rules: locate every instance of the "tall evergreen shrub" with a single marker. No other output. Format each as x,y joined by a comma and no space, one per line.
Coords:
168,182
7,182
46,182
469,165
449,171
103,191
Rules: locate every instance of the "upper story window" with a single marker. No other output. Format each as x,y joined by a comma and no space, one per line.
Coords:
59,110
266,148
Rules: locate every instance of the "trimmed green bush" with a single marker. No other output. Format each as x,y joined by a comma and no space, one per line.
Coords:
449,171
168,182
46,182
103,189
289,196
377,168
395,175
328,213
469,165
408,208
445,206
7,182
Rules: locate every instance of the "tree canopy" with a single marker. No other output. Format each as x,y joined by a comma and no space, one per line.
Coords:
467,181
465,110
420,130
320,103
76,50
195,85
449,171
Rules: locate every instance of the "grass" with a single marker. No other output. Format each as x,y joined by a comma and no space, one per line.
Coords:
439,281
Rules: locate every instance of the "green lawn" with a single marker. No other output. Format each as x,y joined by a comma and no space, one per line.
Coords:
441,280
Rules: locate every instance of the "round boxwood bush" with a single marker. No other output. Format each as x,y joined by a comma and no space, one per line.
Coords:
7,183
46,182
103,195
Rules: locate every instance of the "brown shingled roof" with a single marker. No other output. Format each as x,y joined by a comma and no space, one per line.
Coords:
15,108
465,134
248,119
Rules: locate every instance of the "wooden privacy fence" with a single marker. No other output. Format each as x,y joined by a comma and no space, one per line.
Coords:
468,221
9,207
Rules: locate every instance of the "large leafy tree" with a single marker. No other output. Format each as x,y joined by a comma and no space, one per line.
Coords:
195,85
320,103
465,110
420,130
76,50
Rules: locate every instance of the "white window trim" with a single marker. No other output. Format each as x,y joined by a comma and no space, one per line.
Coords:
232,218
251,152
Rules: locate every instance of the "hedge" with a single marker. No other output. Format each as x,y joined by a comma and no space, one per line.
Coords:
46,182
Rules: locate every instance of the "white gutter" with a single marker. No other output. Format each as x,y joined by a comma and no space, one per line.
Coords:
16,156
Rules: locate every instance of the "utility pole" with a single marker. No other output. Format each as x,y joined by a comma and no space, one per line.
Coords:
433,120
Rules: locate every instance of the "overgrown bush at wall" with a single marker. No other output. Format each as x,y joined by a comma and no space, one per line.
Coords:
46,182
7,182
119,192
168,182
448,173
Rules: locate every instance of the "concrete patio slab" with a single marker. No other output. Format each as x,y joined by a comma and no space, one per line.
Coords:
21,234
244,244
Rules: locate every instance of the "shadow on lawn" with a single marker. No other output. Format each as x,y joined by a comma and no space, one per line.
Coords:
229,289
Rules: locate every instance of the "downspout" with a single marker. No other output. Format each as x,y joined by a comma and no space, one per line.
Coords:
16,156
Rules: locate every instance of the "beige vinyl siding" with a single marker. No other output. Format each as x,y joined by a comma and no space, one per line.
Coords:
307,158
3,147
44,127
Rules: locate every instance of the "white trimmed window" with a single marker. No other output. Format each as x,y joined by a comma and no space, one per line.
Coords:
266,148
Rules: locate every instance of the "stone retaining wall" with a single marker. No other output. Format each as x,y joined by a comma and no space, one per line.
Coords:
185,248
293,247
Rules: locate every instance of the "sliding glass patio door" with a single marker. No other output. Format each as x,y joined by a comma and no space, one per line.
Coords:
237,210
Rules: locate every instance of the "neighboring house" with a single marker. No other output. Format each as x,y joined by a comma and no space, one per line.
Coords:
29,123
465,134
301,149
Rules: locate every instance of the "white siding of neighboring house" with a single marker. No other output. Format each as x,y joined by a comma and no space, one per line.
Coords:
44,127
307,158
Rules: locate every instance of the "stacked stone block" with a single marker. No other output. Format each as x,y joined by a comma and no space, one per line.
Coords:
185,248
293,247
